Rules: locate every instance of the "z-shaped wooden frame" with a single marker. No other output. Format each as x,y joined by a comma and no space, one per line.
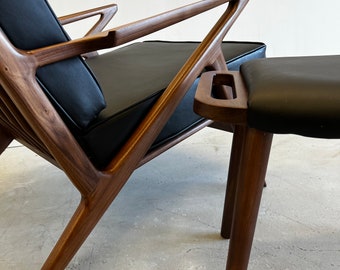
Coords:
27,115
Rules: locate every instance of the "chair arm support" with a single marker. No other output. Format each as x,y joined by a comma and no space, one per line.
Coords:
232,110
105,13
123,34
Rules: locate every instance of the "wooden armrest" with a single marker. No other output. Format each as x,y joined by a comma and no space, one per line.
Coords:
121,35
105,13
233,110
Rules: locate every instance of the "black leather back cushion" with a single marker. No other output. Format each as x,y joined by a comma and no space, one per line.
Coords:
69,84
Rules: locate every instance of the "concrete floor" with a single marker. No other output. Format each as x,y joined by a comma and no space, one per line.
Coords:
168,215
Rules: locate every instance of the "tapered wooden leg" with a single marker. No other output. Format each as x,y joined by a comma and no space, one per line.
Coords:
87,215
78,229
229,202
250,181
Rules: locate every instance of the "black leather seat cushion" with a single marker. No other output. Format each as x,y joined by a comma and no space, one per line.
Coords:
132,78
299,95
69,84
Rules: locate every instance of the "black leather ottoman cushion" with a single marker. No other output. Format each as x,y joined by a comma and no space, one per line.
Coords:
299,95
132,78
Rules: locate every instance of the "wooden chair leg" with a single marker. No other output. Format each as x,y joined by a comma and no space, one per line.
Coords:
251,174
63,252
229,201
76,232
83,221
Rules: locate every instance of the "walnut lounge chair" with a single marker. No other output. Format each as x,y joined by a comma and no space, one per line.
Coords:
99,117
295,95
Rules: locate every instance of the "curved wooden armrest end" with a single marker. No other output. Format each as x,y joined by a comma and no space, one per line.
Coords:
233,110
105,14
